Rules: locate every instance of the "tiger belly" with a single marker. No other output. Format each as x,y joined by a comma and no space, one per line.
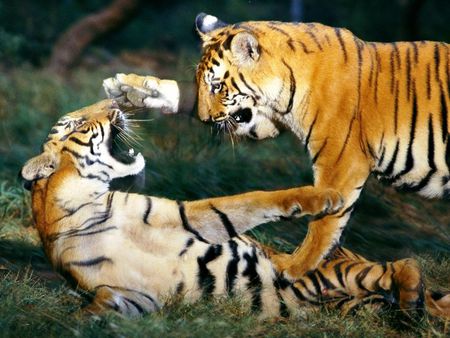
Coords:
419,170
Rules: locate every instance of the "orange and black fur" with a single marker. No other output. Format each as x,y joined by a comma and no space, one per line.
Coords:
359,107
135,252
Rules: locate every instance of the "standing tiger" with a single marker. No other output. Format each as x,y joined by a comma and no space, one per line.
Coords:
135,252
359,107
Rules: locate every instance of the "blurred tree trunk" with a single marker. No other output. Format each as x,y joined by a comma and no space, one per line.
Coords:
296,10
71,44
410,26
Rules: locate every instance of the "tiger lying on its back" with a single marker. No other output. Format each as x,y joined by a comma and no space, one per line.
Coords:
134,252
359,107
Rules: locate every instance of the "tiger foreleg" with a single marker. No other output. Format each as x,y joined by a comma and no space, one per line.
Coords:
324,233
143,91
218,219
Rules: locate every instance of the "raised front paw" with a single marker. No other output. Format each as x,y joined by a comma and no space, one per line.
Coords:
312,201
143,91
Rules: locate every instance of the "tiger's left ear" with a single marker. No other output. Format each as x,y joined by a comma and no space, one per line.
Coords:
205,23
245,48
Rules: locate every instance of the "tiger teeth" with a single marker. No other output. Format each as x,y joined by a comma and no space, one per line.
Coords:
131,152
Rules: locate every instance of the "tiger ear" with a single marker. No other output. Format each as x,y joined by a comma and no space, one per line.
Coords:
41,166
205,23
245,48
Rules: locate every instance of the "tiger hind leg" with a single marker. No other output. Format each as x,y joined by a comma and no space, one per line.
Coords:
349,281
438,304
131,303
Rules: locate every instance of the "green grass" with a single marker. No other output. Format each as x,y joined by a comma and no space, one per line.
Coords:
185,160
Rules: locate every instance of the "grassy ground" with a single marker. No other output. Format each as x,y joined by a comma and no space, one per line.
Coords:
186,161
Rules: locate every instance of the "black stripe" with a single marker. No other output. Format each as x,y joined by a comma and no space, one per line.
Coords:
297,292
444,115
383,152
316,156
283,310
348,210
325,281
215,62
90,262
338,272
341,42
188,244
428,82
361,276
392,72
241,76
206,279
292,88
314,37
304,47
390,167
437,62
305,287
378,71
102,131
80,234
348,268
397,54
311,127
409,164
416,51
408,74
431,161
148,209
90,162
234,84
72,152
347,137
254,283
311,275
185,222
359,47
291,45
229,227
135,304
232,267
396,99
80,142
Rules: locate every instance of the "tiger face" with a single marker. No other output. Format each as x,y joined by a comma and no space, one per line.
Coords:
85,140
226,95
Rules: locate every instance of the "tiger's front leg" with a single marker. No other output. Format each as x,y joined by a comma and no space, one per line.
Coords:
347,177
216,220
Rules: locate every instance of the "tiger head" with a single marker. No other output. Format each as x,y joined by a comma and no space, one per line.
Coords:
232,74
84,141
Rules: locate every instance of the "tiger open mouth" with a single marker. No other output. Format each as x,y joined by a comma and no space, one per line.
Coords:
243,115
120,145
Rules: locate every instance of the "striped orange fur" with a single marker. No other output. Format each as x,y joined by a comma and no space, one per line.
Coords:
134,252
359,107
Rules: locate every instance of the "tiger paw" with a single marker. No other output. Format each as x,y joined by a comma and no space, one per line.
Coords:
312,201
143,91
